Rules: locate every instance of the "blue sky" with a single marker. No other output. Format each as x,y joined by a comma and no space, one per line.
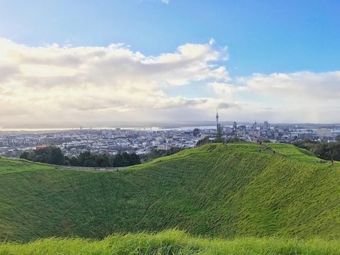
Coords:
274,49
262,36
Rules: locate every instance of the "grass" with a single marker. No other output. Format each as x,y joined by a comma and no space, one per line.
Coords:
171,242
222,191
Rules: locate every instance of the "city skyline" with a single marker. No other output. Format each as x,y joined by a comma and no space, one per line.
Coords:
167,61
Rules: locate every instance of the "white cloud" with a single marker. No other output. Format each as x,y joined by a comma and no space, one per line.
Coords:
165,1
223,90
99,83
285,97
305,85
69,86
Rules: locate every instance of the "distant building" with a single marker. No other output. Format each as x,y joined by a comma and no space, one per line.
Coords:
266,125
218,128
235,126
254,126
196,132
324,132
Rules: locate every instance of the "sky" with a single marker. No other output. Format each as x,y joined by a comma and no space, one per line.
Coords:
84,62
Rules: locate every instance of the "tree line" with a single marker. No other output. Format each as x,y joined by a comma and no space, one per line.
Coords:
327,151
157,153
54,155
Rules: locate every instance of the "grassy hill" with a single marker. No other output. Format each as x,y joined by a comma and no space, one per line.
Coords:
226,191
170,243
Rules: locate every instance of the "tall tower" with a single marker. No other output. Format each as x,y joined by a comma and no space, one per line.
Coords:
218,128
217,124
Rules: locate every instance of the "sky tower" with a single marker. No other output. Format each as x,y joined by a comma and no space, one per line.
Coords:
217,124
218,128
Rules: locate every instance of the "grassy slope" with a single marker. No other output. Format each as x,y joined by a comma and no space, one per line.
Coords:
172,242
217,190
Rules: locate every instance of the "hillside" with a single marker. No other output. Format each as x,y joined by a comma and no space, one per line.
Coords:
226,191
172,242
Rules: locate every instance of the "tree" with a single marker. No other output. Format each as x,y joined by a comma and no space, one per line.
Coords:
29,155
118,160
102,160
51,155
55,156
86,159
74,161
134,159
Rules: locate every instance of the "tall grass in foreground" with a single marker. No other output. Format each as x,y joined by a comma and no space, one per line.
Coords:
171,242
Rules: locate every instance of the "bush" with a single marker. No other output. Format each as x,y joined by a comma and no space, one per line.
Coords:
327,151
53,155
50,155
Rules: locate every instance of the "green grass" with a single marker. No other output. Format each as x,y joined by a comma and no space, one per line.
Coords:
221,191
172,242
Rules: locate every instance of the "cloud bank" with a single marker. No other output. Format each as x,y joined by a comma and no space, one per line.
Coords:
68,86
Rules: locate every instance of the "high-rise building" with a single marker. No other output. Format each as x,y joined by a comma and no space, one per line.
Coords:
217,117
254,126
234,126
266,125
218,128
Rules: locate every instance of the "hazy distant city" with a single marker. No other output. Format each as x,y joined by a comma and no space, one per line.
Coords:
143,140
